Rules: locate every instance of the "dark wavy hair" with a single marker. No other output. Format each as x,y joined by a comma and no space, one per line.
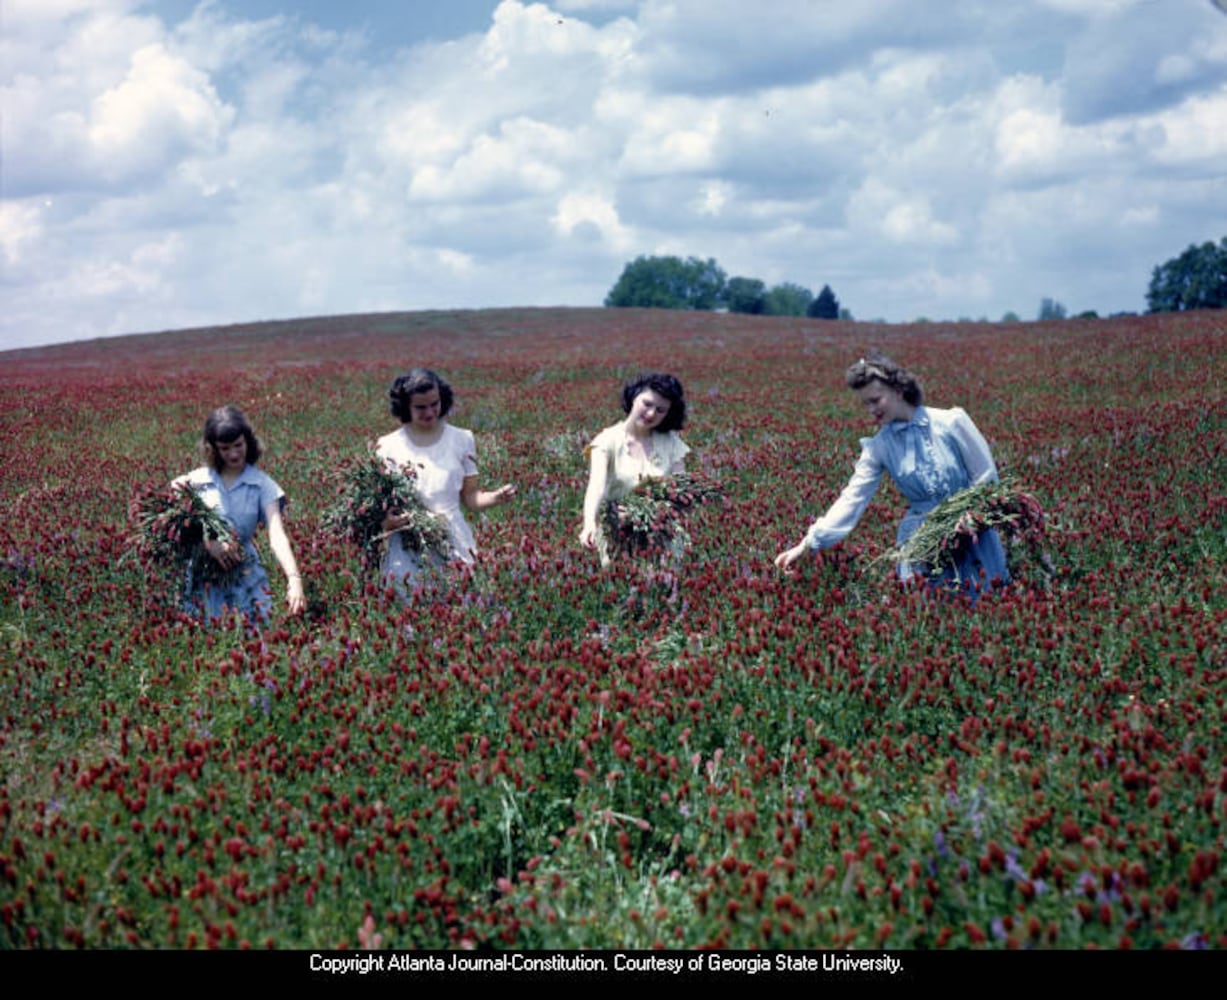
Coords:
224,425
878,367
664,385
410,384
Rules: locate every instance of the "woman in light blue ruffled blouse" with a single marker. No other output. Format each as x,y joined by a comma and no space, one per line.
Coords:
929,453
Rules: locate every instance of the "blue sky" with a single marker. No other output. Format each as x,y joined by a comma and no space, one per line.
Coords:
170,163
385,24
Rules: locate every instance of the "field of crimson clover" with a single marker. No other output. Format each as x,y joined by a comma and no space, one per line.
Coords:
552,756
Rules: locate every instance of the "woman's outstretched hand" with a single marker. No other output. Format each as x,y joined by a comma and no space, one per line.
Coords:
787,560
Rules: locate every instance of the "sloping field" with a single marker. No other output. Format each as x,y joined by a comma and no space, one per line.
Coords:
557,757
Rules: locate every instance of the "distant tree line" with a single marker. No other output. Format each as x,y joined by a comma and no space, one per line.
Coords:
674,283
1196,279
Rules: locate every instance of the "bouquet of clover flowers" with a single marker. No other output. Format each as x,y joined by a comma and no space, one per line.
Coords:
957,522
649,519
369,488
170,526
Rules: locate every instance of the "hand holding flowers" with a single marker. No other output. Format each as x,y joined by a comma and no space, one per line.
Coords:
650,518
376,499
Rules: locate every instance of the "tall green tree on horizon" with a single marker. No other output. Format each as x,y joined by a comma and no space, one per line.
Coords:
745,295
669,283
825,306
787,299
1197,279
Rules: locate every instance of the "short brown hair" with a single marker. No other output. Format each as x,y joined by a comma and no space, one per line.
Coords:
416,380
226,424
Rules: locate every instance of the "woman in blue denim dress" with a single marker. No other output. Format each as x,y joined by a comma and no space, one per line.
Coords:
930,454
247,497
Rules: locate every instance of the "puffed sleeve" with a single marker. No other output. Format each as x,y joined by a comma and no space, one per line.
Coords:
603,442
678,450
841,517
977,456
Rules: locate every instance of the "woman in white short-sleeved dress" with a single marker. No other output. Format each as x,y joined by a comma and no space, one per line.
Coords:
443,459
645,445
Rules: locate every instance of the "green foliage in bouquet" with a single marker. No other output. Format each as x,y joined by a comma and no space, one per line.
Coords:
170,526
649,519
958,521
368,490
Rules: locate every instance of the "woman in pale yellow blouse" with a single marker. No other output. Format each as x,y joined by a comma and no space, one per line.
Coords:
646,445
